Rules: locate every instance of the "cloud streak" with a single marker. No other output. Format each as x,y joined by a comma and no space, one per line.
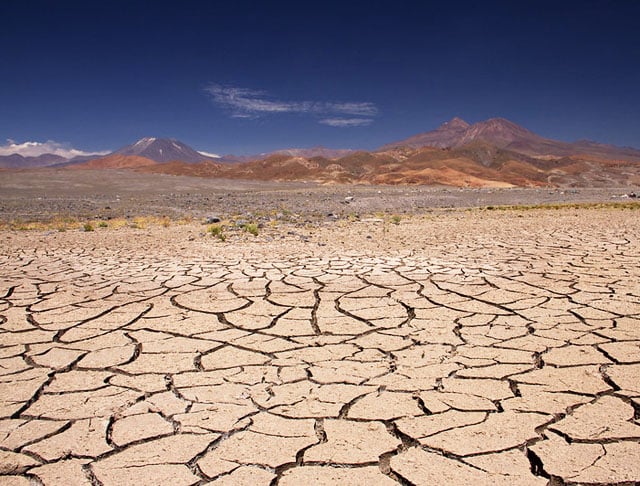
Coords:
249,103
346,122
34,149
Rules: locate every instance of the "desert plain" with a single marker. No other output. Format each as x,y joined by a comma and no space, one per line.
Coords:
364,335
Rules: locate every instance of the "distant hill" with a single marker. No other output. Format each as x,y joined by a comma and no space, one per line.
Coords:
476,164
491,153
159,150
318,151
463,167
114,161
505,134
163,150
446,135
314,152
145,152
17,161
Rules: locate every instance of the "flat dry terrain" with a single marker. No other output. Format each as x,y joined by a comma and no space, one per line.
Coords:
484,347
39,195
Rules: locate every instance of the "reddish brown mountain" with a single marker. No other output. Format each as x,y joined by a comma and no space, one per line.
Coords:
505,134
493,153
477,164
114,161
314,152
446,135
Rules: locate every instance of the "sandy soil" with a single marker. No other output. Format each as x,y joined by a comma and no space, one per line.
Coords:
499,347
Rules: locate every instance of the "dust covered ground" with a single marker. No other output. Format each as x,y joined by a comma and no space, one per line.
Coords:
493,347
40,195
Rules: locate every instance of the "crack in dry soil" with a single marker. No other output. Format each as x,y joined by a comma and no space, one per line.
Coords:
499,358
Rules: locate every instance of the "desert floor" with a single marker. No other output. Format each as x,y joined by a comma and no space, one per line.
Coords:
494,347
37,195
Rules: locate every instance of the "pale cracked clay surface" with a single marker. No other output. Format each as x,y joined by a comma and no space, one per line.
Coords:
468,347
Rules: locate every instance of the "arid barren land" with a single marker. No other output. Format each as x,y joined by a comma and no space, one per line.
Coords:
40,195
442,347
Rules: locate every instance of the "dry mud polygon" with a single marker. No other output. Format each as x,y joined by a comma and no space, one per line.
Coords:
484,347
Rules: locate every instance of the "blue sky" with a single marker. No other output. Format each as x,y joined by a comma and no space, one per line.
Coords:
248,77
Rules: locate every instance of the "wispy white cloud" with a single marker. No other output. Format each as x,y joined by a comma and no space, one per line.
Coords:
33,149
346,122
249,103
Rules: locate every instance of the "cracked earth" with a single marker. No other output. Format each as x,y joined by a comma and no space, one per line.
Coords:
493,348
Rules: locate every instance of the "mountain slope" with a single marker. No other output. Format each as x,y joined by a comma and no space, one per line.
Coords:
505,134
492,153
114,161
476,164
319,151
446,135
17,161
163,150
159,150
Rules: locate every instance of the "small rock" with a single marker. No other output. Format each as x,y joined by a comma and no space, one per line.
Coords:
212,219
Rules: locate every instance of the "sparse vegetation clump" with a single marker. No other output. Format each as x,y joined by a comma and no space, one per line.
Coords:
65,223
217,231
139,223
251,228
395,219
633,205
118,223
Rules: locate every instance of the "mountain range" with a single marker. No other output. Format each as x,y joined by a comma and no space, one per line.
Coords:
18,161
494,152
159,150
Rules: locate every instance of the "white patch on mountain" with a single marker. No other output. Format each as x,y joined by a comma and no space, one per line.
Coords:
209,154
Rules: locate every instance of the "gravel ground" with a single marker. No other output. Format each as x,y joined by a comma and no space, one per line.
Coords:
40,194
